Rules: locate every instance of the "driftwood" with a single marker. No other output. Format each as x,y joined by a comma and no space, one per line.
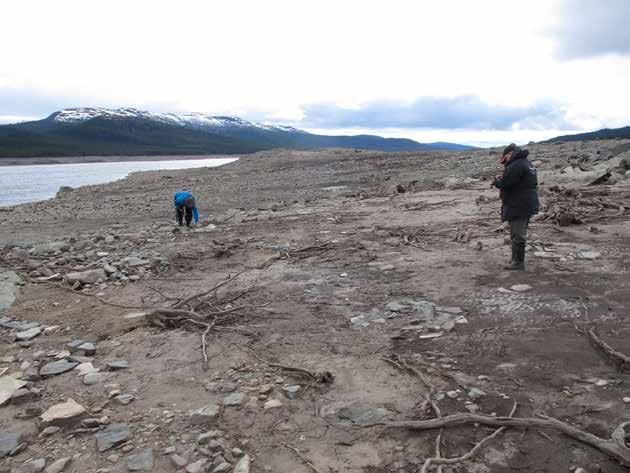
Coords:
615,447
322,377
615,355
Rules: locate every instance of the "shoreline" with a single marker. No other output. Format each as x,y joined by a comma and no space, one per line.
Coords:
45,161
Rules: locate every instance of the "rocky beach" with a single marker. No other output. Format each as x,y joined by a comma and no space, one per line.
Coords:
325,302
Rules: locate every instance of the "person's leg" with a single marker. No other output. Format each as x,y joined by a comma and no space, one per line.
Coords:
518,232
180,215
189,216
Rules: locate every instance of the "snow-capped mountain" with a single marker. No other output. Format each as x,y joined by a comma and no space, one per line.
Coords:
128,131
192,120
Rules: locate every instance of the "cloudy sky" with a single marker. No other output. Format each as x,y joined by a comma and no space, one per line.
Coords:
484,72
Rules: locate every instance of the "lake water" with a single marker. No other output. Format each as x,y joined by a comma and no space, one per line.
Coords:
21,184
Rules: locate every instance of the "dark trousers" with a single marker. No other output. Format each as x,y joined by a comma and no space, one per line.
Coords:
187,211
518,235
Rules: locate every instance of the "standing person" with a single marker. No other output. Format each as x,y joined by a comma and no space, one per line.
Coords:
519,198
185,206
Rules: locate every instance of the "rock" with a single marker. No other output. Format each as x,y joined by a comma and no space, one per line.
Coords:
197,467
51,247
111,437
64,190
452,394
91,276
88,349
243,465
178,462
21,395
61,413
35,466
589,255
58,466
9,281
602,382
475,393
28,334
8,386
472,408
90,423
118,365
205,415
626,400
234,399
57,367
143,461
124,399
8,442
272,404
48,431
291,391
222,467
93,378
86,368
354,412
521,288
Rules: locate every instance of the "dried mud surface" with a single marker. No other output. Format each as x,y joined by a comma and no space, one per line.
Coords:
325,242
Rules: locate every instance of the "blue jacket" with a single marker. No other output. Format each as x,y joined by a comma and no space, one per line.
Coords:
180,201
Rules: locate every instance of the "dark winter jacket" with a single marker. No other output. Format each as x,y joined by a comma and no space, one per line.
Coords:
518,185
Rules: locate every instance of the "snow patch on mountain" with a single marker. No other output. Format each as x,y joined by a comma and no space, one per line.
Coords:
192,120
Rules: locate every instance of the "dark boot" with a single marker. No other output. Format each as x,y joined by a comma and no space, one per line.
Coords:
518,258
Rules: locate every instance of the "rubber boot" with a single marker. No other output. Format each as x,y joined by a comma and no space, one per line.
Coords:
518,260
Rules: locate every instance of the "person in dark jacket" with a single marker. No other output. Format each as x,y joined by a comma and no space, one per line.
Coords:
185,206
519,197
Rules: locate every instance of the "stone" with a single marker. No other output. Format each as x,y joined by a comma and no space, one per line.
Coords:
88,349
61,413
9,291
50,247
234,399
118,365
589,255
291,391
58,466
272,404
222,467
475,393
205,415
91,276
86,368
626,400
472,408
265,388
93,378
111,437
243,465
51,430
28,334
124,399
197,467
8,442
22,395
178,462
35,466
143,461
90,423
452,394
8,386
354,412
521,288
57,367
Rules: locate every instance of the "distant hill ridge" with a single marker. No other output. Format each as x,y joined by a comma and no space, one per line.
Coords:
128,131
603,134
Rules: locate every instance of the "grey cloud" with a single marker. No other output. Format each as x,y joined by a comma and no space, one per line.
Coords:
589,28
463,112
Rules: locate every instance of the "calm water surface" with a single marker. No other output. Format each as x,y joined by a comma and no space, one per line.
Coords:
21,184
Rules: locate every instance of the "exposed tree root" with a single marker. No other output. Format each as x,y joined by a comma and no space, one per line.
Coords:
615,355
615,447
323,377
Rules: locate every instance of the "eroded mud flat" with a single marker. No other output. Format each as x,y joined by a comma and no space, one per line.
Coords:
322,293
